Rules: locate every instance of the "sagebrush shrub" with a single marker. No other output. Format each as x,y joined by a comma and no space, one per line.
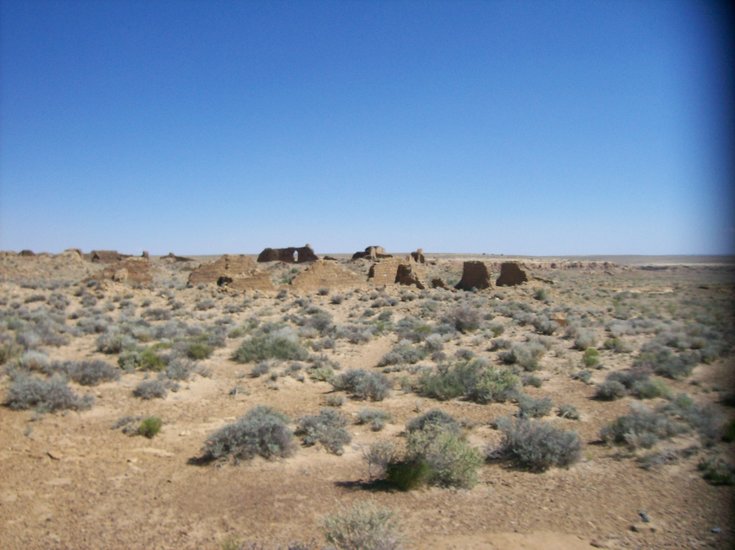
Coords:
327,428
530,407
282,345
527,355
537,445
262,431
363,384
374,417
364,526
434,417
150,389
452,462
403,353
473,379
642,428
90,373
50,395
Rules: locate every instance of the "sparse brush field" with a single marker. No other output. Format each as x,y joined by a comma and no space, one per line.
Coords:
592,405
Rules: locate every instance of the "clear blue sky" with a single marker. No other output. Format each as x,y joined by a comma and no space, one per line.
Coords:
517,127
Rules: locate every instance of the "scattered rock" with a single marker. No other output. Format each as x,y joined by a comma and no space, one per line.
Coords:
474,275
288,255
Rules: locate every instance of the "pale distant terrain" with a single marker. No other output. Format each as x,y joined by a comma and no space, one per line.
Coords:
582,343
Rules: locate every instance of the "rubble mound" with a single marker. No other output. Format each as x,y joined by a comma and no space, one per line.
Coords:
511,274
326,274
134,271
171,257
289,255
229,266
474,275
437,282
68,266
106,256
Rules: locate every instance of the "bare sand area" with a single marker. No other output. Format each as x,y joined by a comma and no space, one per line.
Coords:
580,345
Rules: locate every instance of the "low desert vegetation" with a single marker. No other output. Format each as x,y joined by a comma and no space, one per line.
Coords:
536,445
261,432
365,525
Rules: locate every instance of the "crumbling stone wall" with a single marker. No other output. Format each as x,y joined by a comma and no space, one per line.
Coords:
474,275
290,255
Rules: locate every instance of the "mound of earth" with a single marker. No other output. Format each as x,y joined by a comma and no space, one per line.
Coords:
134,271
326,274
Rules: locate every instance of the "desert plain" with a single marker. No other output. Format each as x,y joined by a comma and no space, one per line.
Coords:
579,345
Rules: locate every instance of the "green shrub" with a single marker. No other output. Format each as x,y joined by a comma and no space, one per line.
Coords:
452,461
537,445
150,426
728,435
364,526
473,379
327,428
363,384
50,395
648,389
282,345
591,357
198,351
142,359
406,475
262,431
717,472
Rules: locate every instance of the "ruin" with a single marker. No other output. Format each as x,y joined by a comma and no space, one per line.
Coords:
511,274
418,256
386,272
106,256
225,266
174,258
290,255
474,275
408,275
371,253
135,271
326,274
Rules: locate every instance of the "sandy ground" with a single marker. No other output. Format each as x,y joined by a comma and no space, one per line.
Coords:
68,480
